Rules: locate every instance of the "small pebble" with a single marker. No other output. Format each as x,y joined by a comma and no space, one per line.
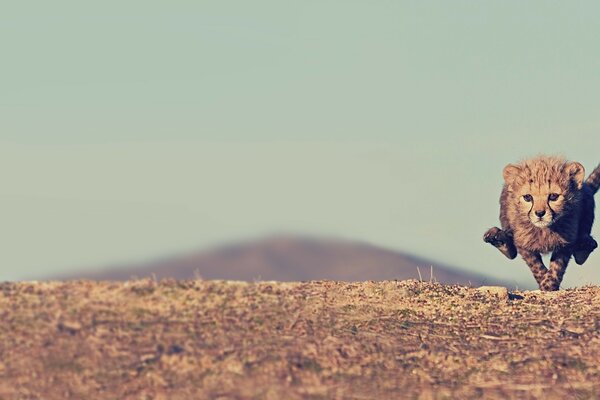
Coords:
499,291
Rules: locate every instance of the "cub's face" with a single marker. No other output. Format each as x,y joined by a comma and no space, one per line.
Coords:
544,189
543,204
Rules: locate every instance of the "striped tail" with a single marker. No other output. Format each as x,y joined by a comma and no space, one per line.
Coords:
593,180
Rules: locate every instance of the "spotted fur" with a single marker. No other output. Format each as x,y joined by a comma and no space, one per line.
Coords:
546,206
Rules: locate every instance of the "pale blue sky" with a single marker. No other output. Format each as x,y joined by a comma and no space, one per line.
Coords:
131,130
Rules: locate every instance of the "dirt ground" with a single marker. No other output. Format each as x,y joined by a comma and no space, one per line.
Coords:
311,340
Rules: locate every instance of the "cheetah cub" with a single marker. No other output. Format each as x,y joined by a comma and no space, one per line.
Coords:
546,206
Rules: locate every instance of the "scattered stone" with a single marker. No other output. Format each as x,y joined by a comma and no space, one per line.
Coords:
71,327
499,291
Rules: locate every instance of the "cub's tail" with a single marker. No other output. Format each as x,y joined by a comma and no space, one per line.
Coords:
594,179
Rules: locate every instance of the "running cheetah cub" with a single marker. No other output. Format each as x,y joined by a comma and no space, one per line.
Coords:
546,206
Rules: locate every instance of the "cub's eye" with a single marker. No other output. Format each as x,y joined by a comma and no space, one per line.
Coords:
528,198
553,196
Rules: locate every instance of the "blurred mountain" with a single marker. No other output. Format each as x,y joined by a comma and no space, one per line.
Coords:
293,258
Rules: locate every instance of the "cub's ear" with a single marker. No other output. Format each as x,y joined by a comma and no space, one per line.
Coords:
510,173
576,173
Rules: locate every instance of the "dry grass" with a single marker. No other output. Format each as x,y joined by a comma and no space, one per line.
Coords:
202,339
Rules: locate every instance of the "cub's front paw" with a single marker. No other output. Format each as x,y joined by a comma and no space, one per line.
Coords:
583,248
495,236
549,285
502,241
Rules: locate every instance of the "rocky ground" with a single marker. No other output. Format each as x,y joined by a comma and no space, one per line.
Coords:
313,340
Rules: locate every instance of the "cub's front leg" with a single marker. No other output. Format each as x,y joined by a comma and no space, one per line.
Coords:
558,265
502,240
536,265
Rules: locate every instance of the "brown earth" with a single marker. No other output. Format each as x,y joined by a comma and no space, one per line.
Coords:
232,340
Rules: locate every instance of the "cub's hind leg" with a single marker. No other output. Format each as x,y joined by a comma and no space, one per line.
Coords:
502,240
585,242
536,265
583,248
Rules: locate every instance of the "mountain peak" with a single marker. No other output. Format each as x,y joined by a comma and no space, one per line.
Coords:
286,257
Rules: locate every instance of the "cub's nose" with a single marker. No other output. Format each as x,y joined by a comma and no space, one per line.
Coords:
540,213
